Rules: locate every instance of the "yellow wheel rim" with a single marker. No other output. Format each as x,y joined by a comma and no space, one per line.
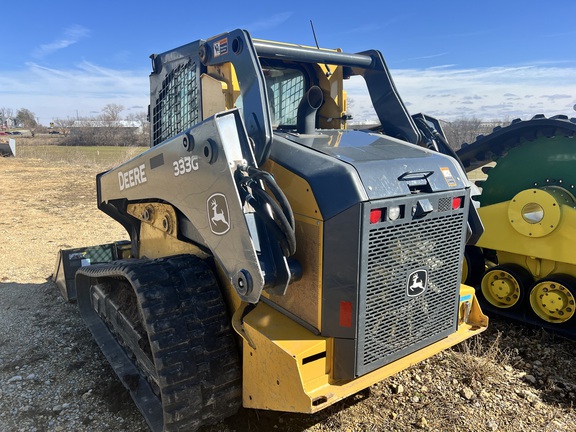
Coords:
464,269
552,302
500,288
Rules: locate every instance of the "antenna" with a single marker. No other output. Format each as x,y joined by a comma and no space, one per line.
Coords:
328,71
314,33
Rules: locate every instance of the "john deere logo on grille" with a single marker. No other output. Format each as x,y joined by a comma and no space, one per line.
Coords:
218,214
417,283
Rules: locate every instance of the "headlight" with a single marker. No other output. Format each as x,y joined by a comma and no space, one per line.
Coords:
393,213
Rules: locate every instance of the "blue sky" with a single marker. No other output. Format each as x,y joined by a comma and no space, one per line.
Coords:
488,59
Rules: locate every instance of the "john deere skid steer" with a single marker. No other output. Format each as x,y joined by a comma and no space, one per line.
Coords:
277,260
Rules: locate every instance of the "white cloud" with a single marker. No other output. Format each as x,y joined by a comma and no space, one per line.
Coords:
447,93
426,57
268,22
486,93
495,85
71,36
79,91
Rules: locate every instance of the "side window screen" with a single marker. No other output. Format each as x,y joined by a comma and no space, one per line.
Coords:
285,91
176,107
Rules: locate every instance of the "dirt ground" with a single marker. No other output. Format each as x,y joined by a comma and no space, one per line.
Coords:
53,377
45,208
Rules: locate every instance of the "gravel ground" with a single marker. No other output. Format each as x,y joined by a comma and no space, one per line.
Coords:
54,378
52,375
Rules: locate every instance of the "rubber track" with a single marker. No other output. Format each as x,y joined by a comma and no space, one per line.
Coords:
489,148
192,343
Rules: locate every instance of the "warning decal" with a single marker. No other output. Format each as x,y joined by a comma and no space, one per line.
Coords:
448,177
221,47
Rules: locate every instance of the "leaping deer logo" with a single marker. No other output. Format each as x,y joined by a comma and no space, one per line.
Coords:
218,214
417,282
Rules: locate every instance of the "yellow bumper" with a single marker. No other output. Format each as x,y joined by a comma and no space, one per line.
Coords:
288,368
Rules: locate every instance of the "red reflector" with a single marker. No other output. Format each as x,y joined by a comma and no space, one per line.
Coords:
456,203
345,314
375,215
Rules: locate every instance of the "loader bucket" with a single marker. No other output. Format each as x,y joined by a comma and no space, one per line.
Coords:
70,260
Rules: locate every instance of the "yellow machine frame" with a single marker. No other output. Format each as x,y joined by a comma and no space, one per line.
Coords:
287,368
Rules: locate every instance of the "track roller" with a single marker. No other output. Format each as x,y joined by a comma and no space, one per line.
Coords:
553,298
505,286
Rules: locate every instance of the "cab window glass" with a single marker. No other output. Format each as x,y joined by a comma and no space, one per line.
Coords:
285,89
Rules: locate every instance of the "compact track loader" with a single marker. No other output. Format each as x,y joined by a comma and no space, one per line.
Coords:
524,263
277,260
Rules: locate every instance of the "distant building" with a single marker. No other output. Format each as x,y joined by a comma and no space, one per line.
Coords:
125,125
7,122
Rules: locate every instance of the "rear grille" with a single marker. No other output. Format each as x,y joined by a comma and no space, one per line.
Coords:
395,324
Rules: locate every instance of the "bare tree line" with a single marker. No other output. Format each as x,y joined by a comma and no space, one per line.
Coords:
110,128
466,129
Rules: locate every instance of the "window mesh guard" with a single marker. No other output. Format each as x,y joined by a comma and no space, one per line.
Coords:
176,107
285,93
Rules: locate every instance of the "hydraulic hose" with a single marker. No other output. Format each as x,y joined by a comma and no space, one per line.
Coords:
281,220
